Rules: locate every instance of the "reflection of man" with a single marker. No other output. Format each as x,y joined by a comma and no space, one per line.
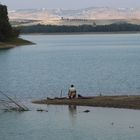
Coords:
72,114
72,92
72,109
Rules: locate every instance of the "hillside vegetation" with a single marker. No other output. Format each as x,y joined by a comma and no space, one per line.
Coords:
121,27
6,31
8,34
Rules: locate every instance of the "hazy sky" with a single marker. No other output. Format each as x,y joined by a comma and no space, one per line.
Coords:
68,4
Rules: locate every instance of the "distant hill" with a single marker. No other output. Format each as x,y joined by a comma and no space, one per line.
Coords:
99,15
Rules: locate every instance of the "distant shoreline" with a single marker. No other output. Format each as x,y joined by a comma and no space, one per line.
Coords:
124,101
83,33
122,28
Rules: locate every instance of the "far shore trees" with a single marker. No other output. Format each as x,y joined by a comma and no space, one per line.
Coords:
122,27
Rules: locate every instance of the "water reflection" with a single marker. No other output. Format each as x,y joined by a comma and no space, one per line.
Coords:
72,113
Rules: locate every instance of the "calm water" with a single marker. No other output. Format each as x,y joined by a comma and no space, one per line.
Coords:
109,64
61,123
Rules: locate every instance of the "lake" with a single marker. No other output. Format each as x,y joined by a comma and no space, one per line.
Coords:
106,64
61,122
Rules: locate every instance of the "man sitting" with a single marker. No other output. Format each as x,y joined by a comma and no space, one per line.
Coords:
72,92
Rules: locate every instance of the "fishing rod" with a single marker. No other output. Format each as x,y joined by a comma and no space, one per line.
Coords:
22,108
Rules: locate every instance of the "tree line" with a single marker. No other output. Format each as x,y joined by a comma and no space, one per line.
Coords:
122,27
6,30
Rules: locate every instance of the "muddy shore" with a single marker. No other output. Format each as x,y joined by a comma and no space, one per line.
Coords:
129,102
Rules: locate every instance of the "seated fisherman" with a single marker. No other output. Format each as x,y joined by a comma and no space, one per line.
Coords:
72,92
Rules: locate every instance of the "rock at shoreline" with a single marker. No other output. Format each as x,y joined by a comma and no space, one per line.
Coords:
86,111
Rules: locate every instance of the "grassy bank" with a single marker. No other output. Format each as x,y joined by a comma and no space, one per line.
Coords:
13,42
130,102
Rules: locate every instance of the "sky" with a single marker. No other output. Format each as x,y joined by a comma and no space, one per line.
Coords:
69,4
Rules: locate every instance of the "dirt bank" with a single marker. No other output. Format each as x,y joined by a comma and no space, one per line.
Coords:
130,102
